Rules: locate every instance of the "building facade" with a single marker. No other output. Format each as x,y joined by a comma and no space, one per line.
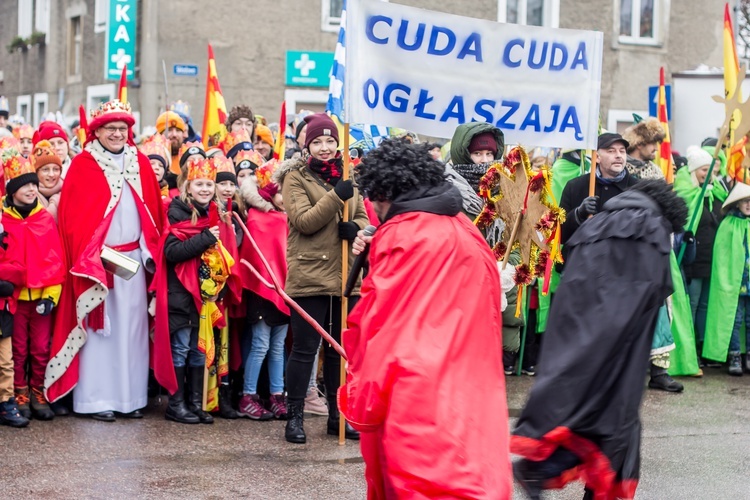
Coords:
63,53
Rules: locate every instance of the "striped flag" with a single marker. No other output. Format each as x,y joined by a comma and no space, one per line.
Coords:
664,159
215,110
731,71
122,91
280,145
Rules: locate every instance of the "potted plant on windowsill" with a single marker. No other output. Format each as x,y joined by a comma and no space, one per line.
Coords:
37,38
17,44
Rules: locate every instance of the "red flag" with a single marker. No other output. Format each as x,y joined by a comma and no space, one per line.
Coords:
665,150
215,110
122,91
280,146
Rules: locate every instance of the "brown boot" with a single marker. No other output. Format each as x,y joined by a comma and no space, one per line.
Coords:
39,406
22,400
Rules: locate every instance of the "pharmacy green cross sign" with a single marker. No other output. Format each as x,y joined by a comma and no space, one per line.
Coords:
121,38
308,69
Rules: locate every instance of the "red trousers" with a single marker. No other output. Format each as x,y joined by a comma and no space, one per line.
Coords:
31,344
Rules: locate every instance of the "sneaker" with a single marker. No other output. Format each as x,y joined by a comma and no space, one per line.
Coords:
39,406
22,400
9,414
278,406
509,362
529,370
315,404
735,364
250,407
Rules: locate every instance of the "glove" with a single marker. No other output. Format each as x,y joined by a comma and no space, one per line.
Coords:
6,288
344,190
688,237
44,307
348,230
587,207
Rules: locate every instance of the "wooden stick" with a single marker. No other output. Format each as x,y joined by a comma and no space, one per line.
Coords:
344,274
513,234
592,174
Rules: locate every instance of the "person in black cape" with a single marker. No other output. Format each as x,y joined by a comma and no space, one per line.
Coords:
582,417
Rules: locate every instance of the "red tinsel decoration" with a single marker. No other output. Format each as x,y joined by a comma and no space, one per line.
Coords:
499,250
512,159
537,183
541,263
523,275
486,217
547,222
488,181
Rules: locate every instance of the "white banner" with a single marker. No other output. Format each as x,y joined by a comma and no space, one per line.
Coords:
429,72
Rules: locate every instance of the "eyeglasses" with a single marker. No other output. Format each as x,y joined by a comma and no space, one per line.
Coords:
112,130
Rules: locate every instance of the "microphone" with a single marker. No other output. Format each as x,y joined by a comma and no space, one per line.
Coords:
359,263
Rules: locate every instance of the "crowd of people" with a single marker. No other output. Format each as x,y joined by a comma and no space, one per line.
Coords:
135,266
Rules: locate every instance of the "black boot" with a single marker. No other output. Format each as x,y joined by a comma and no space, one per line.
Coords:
333,422
295,430
661,380
195,398
529,481
176,409
735,366
225,404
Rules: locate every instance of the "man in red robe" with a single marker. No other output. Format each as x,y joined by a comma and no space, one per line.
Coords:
100,342
425,342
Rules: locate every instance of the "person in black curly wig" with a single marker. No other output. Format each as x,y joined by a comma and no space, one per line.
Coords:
397,174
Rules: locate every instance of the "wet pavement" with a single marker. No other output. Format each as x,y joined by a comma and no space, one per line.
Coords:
696,445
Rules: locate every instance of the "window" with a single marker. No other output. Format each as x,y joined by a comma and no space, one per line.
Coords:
331,14
23,107
97,94
25,18
529,12
639,21
40,107
41,16
101,16
75,46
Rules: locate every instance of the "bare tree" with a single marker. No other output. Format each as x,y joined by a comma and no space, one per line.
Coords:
743,28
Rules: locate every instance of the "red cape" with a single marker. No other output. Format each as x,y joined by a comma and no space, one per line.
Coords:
269,230
187,273
83,228
425,382
34,242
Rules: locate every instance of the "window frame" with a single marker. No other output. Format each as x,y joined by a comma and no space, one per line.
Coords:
42,17
101,16
24,100
327,23
71,52
635,23
550,15
95,93
39,98
25,18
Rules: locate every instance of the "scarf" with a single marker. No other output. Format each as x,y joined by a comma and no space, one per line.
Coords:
615,180
50,192
328,170
23,210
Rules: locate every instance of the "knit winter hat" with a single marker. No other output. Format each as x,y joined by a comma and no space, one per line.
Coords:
320,124
238,112
697,158
483,142
189,149
43,155
264,134
49,130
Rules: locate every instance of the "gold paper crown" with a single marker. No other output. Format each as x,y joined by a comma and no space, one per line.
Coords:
24,131
222,164
231,140
265,172
250,155
8,142
16,166
158,145
201,168
189,145
113,106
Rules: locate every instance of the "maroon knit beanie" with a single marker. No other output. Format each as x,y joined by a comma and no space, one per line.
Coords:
483,142
269,191
320,124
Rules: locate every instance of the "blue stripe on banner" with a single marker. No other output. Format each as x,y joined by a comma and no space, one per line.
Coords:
335,104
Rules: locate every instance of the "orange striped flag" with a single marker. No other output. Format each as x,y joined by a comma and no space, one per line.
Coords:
731,71
122,91
280,146
664,160
215,110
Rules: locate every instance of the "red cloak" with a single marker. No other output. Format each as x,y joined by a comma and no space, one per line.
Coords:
187,273
84,216
425,384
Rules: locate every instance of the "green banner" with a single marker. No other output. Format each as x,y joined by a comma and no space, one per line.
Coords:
121,35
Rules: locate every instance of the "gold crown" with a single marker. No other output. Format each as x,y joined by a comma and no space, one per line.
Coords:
201,168
222,163
231,140
24,131
264,174
113,106
250,155
15,166
158,145
188,145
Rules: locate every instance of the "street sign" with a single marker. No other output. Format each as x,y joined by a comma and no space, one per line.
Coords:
121,38
653,101
185,70
308,69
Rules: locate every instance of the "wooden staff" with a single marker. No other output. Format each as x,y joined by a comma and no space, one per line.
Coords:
592,174
344,274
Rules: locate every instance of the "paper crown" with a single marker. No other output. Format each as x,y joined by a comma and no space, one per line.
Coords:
251,156
235,138
156,145
111,111
16,166
24,131
43,155
201,168
186,147
180,106
222,164
264,174
4,105
8,142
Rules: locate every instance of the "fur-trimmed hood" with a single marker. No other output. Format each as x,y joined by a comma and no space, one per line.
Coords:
251,196
286,167
645,132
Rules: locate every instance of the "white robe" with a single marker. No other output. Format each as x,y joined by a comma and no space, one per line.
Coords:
113,372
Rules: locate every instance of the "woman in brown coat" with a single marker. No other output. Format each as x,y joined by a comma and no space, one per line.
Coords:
314,195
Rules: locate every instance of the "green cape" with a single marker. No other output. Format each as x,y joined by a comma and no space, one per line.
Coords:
683,185
726,279
683,359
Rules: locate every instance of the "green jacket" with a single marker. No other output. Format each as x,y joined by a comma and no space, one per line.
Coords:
465,133
313,246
